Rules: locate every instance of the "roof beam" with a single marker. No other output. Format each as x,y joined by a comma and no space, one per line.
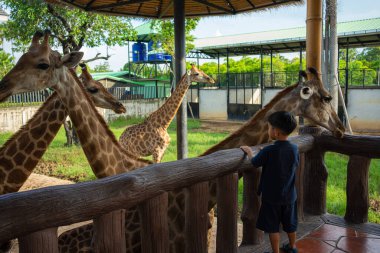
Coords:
205,2
230,5
88,5
159,9
251,4
138,10
121,3
163,13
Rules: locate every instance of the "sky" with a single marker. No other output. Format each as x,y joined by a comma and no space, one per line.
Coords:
280,18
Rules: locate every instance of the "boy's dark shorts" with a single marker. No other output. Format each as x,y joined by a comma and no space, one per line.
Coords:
270,217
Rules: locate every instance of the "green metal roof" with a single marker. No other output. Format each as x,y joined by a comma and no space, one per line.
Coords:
144,32
358,33
117,76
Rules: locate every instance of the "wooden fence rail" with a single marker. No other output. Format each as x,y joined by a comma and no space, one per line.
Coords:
30,211
35,214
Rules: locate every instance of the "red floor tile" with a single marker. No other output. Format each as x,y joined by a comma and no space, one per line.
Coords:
308,245
359,244
332,233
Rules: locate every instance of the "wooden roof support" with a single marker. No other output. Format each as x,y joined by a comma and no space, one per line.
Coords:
314,34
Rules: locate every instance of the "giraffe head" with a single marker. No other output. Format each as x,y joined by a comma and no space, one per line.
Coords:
197,75
39,68
311,100
105,100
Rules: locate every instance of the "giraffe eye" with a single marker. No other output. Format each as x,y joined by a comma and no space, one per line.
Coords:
43,66
92,90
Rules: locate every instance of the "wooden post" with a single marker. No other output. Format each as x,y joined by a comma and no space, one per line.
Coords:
227,192
154,219
300,187
251,207
357,189
44,241
109,233
196,221
315,177
314,34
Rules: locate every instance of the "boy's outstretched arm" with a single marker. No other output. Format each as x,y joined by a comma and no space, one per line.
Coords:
248,151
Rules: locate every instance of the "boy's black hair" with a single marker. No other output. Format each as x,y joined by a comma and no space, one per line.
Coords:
284,121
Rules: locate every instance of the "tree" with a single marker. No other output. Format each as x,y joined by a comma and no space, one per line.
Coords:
6,63
103,67
164,33
71,29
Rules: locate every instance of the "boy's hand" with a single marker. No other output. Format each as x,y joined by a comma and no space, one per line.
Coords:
247,150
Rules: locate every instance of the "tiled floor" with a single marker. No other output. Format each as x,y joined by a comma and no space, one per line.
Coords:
330,238
328,234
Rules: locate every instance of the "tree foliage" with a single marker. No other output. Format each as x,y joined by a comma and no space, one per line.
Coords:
6,63
164,33
71,28
102,67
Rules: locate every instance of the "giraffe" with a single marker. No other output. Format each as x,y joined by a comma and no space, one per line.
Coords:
151,136
20,154
154,129
41,67
308,99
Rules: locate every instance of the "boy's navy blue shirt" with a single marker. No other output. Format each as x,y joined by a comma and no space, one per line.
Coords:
279,161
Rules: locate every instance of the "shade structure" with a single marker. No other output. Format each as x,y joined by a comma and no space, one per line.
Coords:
165,8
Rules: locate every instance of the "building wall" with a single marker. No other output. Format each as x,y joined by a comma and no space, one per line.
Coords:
213,104
364,109
11,119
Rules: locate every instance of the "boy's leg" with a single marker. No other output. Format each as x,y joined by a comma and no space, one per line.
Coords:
292,239
275,242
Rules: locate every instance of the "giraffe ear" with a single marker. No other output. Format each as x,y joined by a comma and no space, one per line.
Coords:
71,60
303,75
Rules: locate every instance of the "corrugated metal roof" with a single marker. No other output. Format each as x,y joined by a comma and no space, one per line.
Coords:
290,35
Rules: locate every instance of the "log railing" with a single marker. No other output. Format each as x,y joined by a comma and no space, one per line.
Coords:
33,216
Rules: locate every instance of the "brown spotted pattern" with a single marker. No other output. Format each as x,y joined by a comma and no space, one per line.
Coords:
151,136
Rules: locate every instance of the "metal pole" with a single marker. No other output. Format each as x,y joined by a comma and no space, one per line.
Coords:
218,69
228,82
271,68
314,34
155,77
332,52
180,70
129,62
261,77
346,87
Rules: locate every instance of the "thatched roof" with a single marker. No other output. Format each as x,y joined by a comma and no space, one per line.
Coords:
164,8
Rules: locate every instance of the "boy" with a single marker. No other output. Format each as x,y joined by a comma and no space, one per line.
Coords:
279,162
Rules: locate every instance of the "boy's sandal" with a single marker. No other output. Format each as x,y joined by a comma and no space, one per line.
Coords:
288,249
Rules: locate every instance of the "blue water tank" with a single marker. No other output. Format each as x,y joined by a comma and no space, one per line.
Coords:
151,43
139,52
167,57
156,57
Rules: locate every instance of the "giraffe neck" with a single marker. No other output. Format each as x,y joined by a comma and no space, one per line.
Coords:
103,152
21,153
255,131
165,114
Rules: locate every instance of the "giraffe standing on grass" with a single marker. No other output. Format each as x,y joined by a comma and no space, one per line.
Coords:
151,137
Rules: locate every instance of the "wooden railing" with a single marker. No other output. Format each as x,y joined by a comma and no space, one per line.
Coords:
33,216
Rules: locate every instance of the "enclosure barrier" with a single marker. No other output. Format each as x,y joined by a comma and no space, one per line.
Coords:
33,216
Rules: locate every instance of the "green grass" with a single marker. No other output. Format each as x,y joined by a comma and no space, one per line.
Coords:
72,164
